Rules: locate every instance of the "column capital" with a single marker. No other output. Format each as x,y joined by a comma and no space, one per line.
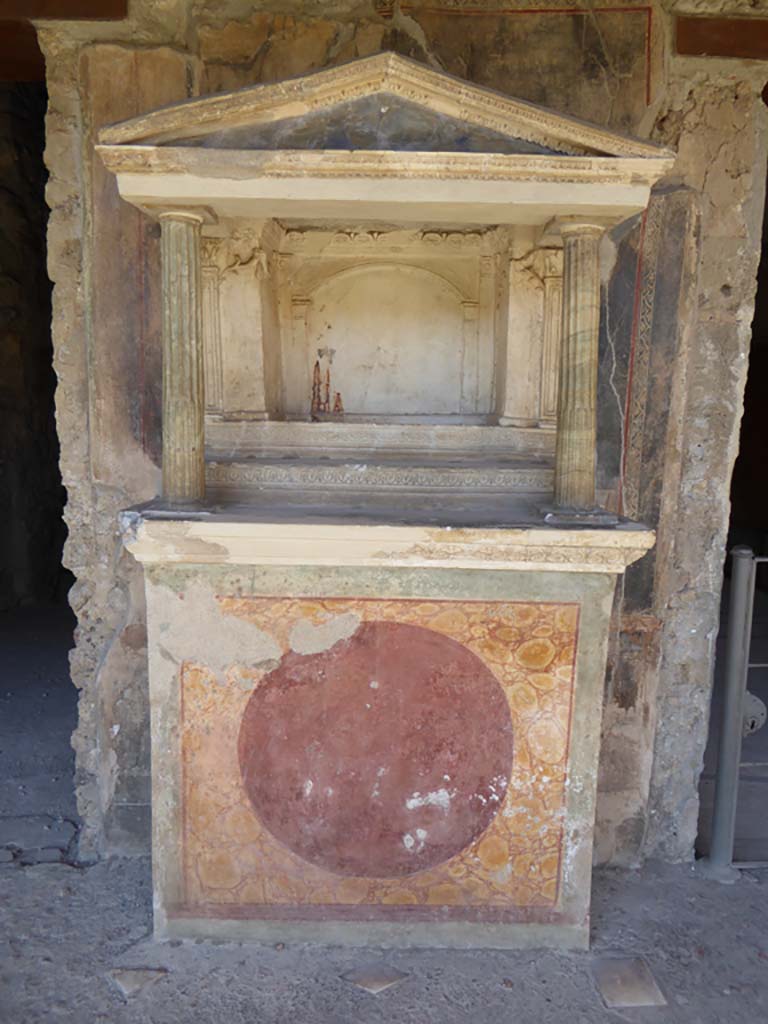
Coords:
188,214
584,227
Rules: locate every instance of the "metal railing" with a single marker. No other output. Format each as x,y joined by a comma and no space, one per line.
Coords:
720,862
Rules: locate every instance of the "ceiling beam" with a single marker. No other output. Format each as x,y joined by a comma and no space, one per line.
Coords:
21,59
746,38
69,10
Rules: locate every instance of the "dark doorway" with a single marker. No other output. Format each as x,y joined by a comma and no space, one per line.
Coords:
38,704
31,493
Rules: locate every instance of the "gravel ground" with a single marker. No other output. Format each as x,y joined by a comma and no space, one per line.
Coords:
64,929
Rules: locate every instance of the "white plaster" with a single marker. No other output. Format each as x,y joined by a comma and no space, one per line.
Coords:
397,334
312,638
380,773
437,798
415,845
308,787
242,351
608,255
190,619
328,193
497,786
520,387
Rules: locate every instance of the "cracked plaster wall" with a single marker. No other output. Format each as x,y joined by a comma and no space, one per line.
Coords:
591,64
713,114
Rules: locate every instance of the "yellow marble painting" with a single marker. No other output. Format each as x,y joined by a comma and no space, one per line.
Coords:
232,863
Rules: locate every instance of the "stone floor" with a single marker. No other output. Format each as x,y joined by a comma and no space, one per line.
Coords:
38,712
75,943
64,932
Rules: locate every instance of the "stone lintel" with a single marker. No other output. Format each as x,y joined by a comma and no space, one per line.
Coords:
236,542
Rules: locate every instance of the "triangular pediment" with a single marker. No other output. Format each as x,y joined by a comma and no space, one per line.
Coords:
385,102
380,121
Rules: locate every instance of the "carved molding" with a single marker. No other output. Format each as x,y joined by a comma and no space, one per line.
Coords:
550,349
237,165
239,252
337,438
297,477
587,558
470,358
385,72
214,381
550,268
503,6
240,248
457,239
214,541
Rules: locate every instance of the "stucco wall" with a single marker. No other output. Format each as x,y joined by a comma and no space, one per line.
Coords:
613,67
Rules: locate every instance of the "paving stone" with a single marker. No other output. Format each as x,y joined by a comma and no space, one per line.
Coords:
131,980
36,832
374,978
50,855
626,982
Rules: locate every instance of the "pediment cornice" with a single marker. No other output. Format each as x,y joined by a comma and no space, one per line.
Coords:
385,73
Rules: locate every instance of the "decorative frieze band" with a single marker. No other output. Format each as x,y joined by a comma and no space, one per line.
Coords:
354,477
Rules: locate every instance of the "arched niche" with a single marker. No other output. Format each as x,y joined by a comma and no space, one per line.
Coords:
386,341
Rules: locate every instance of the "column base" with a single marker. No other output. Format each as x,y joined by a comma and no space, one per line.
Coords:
561,515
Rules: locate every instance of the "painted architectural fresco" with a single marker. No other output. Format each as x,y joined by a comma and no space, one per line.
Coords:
404,758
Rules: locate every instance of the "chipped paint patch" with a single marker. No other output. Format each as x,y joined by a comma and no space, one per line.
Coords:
313,638
193,617
415,843
437,798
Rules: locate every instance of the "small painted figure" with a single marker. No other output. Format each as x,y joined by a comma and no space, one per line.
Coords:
316,407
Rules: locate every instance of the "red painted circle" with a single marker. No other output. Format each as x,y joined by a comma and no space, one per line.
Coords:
387,754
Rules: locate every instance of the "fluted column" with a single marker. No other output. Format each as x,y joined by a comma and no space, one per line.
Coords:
577,392
183,397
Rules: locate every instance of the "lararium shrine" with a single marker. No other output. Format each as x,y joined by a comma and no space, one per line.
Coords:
378,580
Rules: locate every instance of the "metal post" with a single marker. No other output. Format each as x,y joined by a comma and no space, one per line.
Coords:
736,661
